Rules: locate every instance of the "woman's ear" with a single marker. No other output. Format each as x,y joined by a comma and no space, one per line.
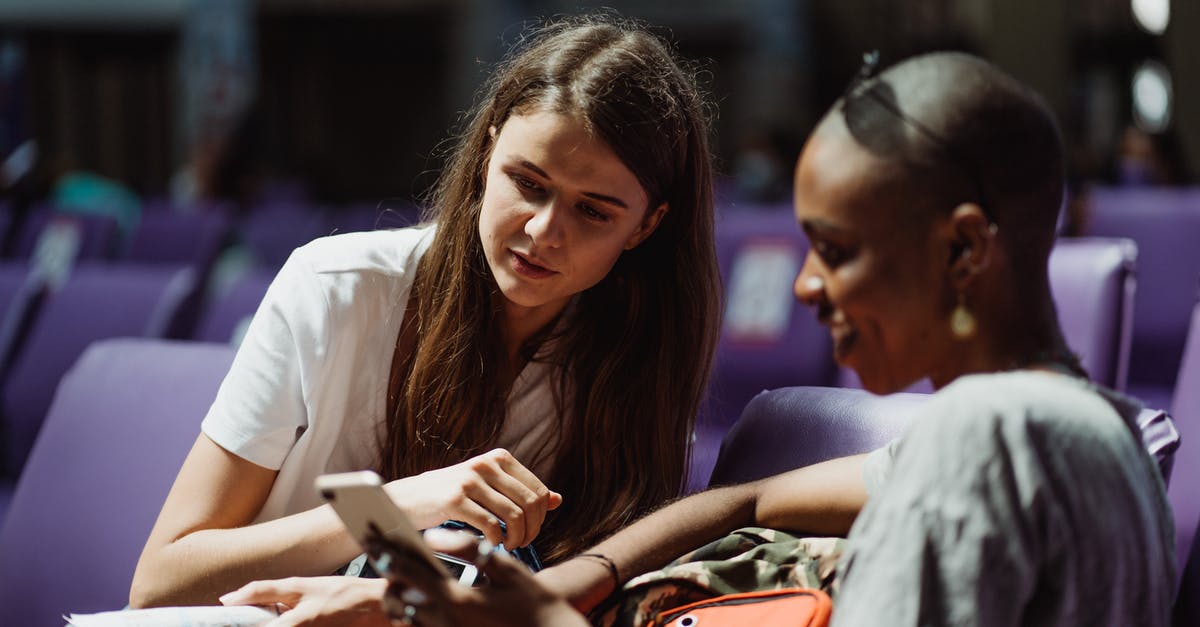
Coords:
972,244
646,228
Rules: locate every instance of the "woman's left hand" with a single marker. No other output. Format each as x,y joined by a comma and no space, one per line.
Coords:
317,601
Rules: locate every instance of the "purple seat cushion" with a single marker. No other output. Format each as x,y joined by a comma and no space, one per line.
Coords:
121,424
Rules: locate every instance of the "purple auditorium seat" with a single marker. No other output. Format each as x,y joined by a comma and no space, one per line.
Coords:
178,238
1184,491
1164,223
121,424
1092,280
795,427
181,238
97,234
272,231
98,301
226,317
768,339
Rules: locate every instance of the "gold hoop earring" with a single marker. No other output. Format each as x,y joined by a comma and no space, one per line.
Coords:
962,321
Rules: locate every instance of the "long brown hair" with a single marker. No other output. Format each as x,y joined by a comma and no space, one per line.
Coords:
634,352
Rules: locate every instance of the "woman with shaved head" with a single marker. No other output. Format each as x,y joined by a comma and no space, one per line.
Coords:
1022,494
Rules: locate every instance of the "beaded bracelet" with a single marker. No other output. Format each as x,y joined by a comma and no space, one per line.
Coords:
609,564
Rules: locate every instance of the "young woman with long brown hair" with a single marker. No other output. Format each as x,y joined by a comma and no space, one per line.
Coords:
550,326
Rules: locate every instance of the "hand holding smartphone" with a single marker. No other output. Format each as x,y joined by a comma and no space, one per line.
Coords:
369,513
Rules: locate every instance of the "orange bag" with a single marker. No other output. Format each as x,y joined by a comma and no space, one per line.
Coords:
794,607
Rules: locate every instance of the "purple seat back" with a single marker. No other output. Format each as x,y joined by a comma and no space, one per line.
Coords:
121,424
1185,488
272,231
1164,223
179,238
98,233
373,217
229,312
768,339
98,301
1093,283
795,427
20,292
1092,280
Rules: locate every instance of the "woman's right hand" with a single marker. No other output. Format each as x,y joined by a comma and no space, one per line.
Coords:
482,492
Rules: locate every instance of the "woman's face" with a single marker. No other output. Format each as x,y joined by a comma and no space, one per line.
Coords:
876,272
558,209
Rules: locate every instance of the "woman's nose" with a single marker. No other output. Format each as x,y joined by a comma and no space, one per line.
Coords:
546,227
809,287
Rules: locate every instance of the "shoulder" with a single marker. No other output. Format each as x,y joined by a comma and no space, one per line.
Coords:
342,274
393,251
1027,405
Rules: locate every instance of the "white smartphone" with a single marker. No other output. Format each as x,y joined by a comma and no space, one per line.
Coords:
361,502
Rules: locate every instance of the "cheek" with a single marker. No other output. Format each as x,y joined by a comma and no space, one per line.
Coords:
597,258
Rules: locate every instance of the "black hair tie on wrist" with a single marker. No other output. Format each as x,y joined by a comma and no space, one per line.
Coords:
609,564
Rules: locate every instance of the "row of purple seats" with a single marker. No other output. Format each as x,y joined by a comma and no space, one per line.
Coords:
1163,222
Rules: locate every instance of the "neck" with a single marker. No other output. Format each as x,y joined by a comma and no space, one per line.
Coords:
519,324
1014,333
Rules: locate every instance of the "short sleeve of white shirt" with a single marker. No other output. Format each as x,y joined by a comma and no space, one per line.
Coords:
260,407
306,393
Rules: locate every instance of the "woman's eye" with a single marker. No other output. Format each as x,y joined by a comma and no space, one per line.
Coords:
592,213
525,183
831,254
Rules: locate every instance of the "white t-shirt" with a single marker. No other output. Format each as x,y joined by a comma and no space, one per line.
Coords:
306,392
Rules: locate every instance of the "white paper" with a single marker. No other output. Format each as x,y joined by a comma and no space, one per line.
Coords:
185,616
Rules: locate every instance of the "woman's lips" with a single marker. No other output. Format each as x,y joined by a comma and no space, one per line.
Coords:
527,268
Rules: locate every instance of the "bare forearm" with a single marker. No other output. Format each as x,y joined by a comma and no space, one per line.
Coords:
679,527
202,565
822,499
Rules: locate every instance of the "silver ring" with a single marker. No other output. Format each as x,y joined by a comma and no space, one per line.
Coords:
410,615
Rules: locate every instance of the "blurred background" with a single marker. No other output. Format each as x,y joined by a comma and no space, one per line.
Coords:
173,152
346,101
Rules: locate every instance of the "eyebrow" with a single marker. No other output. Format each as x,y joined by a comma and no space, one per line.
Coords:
820,225
612,200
